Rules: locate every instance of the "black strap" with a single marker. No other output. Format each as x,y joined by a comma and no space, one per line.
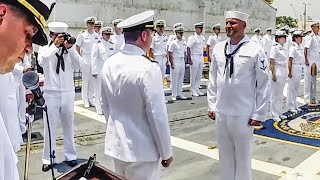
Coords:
230,57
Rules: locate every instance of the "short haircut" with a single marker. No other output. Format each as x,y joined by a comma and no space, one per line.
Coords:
132,36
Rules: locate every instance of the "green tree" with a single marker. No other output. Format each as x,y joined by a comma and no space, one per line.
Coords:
286,20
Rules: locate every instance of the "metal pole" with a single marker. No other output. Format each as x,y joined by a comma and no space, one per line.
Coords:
305,17
29,119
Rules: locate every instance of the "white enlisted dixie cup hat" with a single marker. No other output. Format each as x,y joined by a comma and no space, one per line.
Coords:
269,29
216,26
281,34
57,27
256,30
98,24
141,21
116,21
160,23
90,19
237,15
199,25
106,30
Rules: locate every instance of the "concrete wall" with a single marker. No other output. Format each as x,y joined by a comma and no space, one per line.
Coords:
73,12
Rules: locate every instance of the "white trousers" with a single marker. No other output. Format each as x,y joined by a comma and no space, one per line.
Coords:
293,87
235,138
196,72
87,84
162,61
307,83
60,107
97,93
177,76
21,101
276,103
138,170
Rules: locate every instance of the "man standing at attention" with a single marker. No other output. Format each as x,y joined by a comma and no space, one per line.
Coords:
238,96
85,41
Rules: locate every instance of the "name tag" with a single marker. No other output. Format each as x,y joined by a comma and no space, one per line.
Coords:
244,56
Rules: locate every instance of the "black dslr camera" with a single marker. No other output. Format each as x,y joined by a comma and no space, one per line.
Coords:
67,37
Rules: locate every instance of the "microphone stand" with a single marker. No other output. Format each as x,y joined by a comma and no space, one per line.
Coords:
31,110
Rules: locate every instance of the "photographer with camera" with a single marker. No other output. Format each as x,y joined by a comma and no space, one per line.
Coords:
58,60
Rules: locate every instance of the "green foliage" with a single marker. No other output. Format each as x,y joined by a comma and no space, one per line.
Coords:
287,20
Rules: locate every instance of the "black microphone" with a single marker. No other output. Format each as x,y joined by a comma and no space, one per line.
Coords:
31,81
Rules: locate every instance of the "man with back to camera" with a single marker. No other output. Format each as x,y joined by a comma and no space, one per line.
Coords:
29,21
101,51
238,96
138,134
58,60
85,41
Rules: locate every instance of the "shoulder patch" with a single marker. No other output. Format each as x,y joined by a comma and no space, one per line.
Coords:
110,42
81,31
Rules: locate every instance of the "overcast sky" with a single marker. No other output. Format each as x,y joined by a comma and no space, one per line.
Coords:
295,8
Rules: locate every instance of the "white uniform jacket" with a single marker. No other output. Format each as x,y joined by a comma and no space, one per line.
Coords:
247,92
118,41
213,40
196,43
297,53
159,44
8,158
313,44
85,40
257,39
18,70
267,43
48,61
101,51
134,105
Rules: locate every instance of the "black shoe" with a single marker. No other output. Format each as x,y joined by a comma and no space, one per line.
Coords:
25,135
72,163
46,167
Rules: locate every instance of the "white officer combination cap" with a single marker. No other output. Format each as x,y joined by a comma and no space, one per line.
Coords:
179,29
106,30
237,15
177,25
216,26
116,21
98,24
90,20
256,30
57,27
315,23
269,29
298,33
160,23
199,25
137,22
281,34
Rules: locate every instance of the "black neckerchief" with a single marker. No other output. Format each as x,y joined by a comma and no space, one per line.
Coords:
230,57
60,62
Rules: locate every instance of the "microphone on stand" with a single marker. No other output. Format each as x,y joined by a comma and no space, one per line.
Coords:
31,81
